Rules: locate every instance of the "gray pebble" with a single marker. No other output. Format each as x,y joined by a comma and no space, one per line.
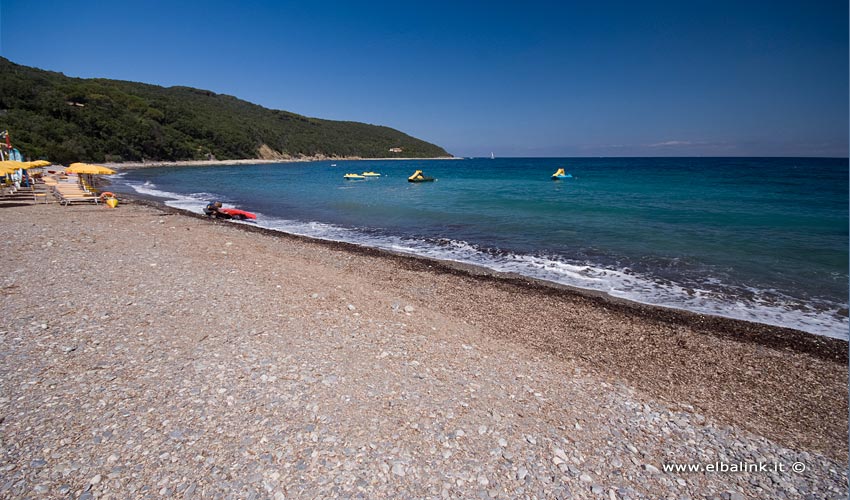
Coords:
521,473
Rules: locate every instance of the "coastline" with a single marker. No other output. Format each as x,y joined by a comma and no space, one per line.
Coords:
154,309
762,334
835,330
253,161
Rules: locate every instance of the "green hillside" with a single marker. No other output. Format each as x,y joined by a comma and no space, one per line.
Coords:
63,119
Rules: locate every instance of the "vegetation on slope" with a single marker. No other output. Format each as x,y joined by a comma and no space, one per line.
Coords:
63,119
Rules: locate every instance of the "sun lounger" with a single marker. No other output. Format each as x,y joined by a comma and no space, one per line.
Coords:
71,193
68,198
40,192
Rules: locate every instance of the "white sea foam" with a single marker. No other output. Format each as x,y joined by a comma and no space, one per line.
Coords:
762,306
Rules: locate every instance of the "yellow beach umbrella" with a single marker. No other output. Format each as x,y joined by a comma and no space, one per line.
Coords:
9,164
85,168
39,163
88,169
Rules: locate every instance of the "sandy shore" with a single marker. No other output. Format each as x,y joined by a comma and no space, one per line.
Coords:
215,163
150,353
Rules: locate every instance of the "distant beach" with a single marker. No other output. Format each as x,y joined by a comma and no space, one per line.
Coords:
250,161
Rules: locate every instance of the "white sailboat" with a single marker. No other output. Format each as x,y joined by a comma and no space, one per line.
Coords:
492,156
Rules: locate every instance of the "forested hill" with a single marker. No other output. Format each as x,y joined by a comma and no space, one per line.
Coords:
63,119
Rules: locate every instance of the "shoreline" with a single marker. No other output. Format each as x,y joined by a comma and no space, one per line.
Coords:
754,329
159,337
762,334
254,161
759,336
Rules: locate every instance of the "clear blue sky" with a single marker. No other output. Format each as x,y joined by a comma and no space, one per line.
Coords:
580,78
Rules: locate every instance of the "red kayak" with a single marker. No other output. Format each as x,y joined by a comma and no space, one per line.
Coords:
238,214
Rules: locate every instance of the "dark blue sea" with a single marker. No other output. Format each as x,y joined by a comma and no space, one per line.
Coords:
761,239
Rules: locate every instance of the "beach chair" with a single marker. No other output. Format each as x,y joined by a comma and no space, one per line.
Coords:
68,193
50,182
68,198
40,192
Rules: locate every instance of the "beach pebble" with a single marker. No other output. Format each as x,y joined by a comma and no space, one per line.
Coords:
650,468
560,455
409,309
521,473
398,469
351,307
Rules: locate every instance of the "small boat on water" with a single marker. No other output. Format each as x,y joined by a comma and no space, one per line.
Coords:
419,177
353,177
560,174
370,174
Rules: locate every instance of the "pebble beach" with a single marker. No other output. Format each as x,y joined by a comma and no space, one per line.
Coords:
151,353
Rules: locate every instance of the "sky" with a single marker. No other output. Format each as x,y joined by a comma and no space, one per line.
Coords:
529,79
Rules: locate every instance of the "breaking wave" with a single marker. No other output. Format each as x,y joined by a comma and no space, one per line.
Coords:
710,296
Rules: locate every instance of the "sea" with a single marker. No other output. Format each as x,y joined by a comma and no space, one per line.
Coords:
758,239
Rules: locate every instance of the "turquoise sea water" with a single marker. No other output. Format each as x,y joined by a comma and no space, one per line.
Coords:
762,239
